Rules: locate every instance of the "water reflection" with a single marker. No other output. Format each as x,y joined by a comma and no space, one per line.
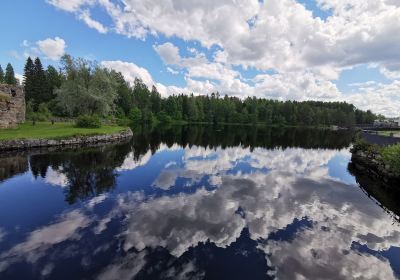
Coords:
197,203
83,173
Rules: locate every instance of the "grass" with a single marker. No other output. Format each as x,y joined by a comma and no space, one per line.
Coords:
389,133
45,130
391,156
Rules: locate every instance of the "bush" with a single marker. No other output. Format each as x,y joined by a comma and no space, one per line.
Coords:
135,115
164,117
391,156
86,121
362,145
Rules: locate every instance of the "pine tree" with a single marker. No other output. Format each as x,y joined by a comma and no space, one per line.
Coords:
1,75
9,78
29,72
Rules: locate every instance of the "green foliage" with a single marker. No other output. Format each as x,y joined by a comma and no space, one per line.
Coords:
163,117
391,157
29,73
84,88
87,121
87,89
54,80
1,75
9,77
135,115
362,145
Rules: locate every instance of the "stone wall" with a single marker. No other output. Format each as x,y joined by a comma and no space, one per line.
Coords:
12,105
78,140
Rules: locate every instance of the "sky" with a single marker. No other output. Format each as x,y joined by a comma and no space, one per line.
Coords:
329,50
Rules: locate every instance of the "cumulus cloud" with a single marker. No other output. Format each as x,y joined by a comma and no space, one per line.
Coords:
265,202
306,53
38,241
53,49
168,52
130,71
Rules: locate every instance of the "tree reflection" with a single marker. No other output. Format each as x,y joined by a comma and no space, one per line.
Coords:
245,136
11,165
89,171
387,194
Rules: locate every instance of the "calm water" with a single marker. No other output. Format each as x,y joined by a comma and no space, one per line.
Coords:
196,203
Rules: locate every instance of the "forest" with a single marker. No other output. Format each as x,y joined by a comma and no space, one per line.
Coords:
84,88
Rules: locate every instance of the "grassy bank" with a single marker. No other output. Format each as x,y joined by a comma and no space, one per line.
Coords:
45,130
388,156
389,133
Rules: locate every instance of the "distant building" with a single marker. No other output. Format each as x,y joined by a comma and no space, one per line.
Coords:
387,123
12,105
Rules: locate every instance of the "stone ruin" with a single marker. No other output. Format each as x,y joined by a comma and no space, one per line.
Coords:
12,105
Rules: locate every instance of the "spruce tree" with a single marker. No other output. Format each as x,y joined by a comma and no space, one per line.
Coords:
39,84
1,75
9,78
29,73
54,80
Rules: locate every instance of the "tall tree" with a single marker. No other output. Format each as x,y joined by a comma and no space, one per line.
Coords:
54,81
87,89
29,72
9,77
1,75
41,89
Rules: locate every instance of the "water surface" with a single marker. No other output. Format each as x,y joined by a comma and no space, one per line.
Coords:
196,202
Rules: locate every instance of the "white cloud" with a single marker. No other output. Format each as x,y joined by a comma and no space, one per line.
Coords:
85,16
168,52
305,52
172,71
130,71
69,5
53,49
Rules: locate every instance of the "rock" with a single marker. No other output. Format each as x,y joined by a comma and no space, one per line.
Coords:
12,106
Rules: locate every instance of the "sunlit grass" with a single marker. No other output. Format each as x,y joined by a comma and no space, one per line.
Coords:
46,130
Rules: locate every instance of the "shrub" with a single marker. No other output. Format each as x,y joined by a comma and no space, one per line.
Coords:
135,115
164,117
362,145
391,156
87,121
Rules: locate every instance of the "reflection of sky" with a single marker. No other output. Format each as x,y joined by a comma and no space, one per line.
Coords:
274,213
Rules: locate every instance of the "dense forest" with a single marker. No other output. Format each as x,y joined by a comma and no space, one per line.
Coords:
82,87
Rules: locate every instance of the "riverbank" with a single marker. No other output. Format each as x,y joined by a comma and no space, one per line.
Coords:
60,134
380,163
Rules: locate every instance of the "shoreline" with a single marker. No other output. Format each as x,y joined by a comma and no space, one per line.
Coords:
370,163
24,144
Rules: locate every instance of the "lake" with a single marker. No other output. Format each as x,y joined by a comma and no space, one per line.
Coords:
196,202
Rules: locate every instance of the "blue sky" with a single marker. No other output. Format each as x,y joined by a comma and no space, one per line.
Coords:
286,49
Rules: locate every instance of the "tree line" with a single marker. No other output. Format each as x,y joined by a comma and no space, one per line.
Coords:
9,76
82,87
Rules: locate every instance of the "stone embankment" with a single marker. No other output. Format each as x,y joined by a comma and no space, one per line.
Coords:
371,163
77,140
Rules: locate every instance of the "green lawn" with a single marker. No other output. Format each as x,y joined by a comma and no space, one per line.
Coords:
396,133
45,130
